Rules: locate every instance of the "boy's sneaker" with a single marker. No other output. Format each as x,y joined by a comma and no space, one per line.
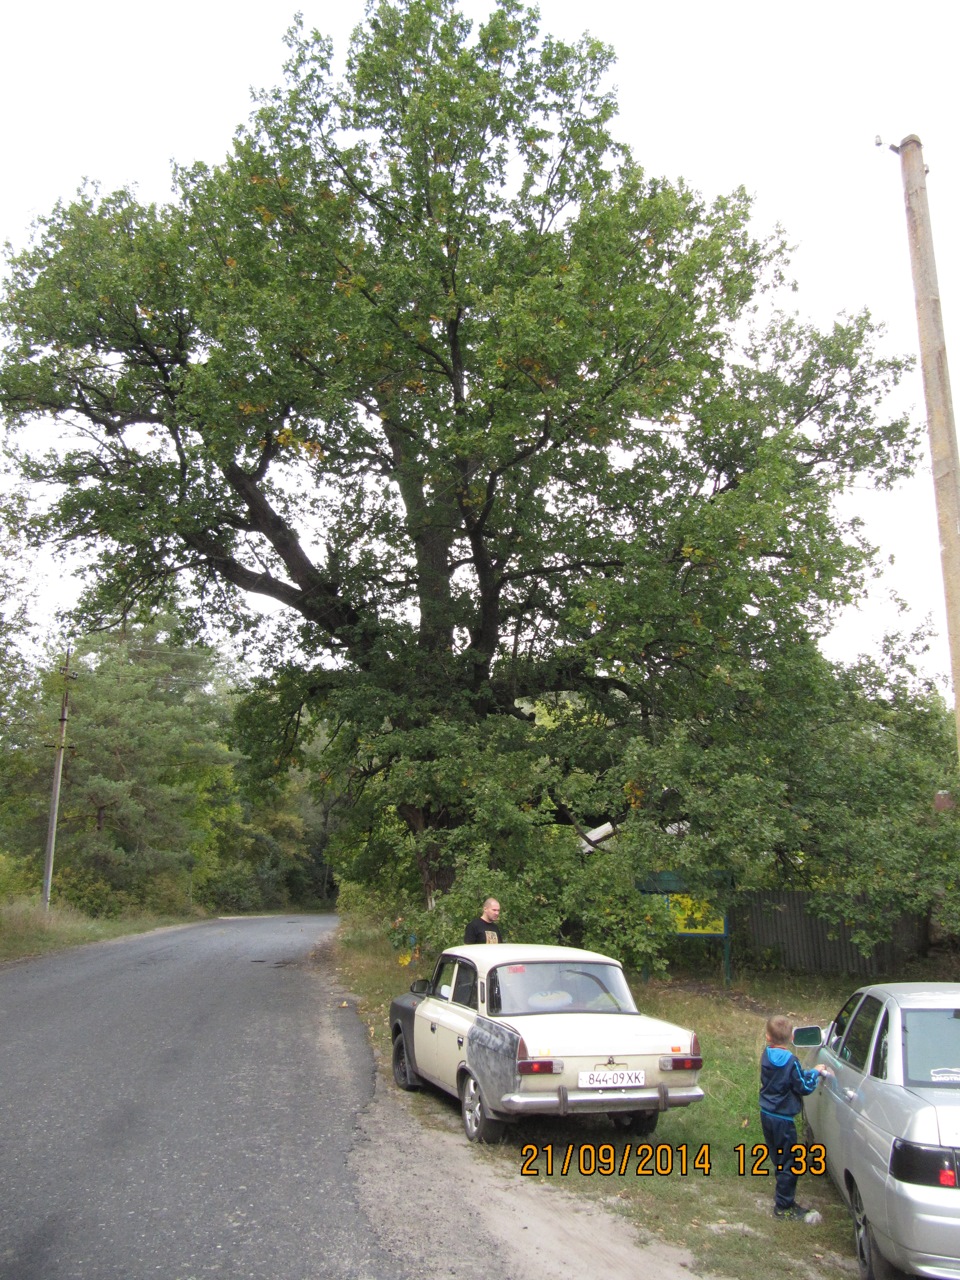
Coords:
798,1214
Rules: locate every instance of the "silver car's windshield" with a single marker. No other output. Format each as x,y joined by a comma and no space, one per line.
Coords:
552,986
931,1048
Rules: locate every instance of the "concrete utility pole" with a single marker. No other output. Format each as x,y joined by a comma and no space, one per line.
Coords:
936,387
68,675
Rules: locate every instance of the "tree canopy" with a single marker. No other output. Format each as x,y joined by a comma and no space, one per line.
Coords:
485,412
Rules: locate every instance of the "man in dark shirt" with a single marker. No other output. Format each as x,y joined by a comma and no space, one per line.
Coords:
485,927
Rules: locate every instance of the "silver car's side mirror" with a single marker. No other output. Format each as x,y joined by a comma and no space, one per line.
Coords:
808,1037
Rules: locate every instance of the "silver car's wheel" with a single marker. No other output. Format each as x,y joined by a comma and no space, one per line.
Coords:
873,1265
477,1126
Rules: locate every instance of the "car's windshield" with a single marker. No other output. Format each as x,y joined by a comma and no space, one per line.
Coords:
566,986
931,1048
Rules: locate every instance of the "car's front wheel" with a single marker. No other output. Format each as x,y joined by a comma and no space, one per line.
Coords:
642,1123
403,1073
873,1265
476,1124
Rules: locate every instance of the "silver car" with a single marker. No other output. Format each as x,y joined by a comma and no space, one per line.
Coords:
889,1118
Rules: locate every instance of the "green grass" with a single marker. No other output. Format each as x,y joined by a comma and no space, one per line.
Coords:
723,1217
26,929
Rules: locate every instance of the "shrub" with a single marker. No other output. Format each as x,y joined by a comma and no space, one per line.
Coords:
17,877
235,887
90,894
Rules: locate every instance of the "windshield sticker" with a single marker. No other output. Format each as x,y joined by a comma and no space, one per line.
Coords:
944,1075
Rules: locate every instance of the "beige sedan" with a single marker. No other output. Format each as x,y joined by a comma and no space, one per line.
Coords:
515,1030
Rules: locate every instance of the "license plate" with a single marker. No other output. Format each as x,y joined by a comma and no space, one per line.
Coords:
610,1079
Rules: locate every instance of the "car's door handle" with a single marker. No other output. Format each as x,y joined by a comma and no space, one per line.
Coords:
459,1042
849,1094
433,1027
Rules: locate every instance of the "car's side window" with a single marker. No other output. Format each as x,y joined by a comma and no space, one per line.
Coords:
443,979
878,1065
856,1043
841,1020
465,987
493,993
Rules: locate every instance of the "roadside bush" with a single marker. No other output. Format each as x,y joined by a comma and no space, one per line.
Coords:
587,900
532,909
607,913
90,894
17,877
360,902
235,887
168,894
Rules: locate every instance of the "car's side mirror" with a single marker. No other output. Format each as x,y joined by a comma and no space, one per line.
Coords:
808,1037
421,987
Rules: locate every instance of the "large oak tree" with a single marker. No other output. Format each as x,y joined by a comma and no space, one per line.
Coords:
484,411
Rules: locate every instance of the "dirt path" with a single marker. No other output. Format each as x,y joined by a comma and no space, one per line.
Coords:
450,1209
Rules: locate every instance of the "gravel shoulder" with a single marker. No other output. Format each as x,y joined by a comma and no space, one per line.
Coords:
449,1209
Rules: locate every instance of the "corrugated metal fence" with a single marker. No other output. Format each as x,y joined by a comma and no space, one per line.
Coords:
780,925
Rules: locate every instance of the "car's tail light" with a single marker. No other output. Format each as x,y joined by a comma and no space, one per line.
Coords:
929,1166
527,1066
676,1061
681,1062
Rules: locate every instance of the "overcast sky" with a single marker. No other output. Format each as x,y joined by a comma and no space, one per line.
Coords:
785,100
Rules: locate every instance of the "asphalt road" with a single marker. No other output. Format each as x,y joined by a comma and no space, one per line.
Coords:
183,1104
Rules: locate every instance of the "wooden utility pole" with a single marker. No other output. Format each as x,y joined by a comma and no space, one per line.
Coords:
936,388
59,749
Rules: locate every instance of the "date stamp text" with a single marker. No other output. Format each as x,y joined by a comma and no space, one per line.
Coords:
651,1160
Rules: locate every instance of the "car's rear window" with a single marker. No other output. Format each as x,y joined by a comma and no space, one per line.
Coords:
558,987
931,1048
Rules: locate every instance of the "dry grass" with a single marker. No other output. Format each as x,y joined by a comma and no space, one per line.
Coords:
369,967
723,1217
26,929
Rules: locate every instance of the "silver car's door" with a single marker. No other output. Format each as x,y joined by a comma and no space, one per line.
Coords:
874,1119
822,1106
858,1141
427,1017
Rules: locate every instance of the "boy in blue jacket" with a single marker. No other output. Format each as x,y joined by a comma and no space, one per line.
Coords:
783,1083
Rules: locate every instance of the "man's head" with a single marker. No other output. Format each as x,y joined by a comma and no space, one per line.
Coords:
491,911
779,1031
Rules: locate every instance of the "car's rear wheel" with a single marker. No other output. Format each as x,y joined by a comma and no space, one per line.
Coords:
642,1123
873,1265
476,1124
403,1073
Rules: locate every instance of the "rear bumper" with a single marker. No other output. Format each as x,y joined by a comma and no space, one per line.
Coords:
921,1234
586,1101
